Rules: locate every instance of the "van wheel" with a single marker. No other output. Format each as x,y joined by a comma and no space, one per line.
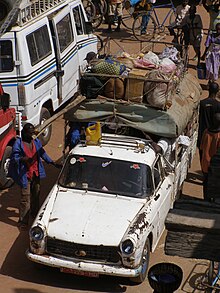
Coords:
45,136
5,182
144,263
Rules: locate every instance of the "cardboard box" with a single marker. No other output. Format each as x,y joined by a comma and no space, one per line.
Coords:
134,86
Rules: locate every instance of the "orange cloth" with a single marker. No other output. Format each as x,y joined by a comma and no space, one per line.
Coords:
33,166
209,145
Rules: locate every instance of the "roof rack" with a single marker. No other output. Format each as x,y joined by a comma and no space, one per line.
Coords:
10,17
123,141
36,8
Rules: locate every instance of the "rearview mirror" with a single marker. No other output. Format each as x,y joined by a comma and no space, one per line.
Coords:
89,28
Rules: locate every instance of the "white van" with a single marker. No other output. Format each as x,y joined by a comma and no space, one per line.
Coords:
41,55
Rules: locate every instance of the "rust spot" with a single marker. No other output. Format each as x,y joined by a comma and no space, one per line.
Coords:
139,224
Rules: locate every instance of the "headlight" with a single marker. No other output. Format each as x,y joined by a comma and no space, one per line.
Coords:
127,247
36,233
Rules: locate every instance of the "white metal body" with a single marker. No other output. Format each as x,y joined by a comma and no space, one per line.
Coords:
38,78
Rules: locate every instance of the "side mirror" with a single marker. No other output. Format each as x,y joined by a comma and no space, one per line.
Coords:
89,28
4,101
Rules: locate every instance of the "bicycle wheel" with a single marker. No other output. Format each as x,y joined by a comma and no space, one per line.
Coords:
97,20
127,15
89,9
144,27
104,7
184,51
172,17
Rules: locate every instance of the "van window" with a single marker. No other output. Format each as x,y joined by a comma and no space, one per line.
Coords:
39,45
79,20
65,32
6,57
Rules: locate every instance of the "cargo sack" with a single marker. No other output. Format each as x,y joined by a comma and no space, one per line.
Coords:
109,66
114,89
91,87
158,94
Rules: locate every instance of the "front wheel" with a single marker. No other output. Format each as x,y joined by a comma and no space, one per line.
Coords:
5,181
172,17
144,264
46,134
127,15
144,27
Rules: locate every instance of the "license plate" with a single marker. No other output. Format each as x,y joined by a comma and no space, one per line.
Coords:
79,273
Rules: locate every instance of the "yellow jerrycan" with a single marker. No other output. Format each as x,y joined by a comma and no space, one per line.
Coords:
93,134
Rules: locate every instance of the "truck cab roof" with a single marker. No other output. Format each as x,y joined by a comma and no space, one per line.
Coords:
119,147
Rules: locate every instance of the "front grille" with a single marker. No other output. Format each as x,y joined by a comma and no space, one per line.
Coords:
81,251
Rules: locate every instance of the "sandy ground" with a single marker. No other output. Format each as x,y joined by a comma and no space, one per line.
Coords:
18,275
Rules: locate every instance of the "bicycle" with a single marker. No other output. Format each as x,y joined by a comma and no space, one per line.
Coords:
101,7
212,276
147,23
89,9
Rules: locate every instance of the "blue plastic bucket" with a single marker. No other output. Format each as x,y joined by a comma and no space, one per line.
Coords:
201,71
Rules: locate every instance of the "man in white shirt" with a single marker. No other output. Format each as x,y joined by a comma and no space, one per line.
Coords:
182,11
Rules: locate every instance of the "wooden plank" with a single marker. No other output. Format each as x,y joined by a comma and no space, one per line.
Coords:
188,220
49,121
193,245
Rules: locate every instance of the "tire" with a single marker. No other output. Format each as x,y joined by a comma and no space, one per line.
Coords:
144,262
150,28
89,9
5,182
172,17
45,136
97,20
127,16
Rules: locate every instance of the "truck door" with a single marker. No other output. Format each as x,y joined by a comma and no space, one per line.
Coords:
66,53
8,69
163,193
86,42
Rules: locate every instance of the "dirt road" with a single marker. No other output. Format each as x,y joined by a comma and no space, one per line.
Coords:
18,275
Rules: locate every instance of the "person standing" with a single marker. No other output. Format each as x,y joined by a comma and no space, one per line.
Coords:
209,146
208,107
182,11
193,31
212,7
114,10
212,54
26,169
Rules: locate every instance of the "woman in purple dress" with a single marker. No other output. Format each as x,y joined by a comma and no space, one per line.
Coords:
212,54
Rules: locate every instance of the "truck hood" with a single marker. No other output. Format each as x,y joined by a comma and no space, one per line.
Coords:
92,219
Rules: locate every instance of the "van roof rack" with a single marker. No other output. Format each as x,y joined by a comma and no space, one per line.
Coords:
36,8
10,17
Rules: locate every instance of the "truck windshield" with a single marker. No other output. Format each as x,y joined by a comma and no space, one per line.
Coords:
6,56
107,175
